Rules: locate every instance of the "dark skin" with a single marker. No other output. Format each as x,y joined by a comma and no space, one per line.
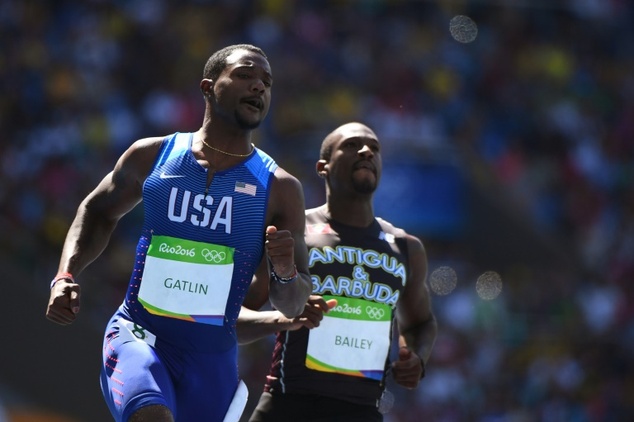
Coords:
352,174
236,103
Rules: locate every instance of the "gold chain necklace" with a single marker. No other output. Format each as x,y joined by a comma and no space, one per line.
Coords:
228,153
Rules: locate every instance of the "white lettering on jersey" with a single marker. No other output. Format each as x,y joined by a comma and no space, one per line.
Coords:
199,210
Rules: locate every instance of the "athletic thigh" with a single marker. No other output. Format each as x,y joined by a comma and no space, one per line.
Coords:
132,375
206,385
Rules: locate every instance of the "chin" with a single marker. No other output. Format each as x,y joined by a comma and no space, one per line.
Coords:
248,124
250,121
365,188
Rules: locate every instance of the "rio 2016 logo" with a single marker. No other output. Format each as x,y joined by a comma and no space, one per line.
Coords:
347,309
177,250
210,255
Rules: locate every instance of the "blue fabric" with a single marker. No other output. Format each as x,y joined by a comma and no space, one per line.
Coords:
194,386
191,367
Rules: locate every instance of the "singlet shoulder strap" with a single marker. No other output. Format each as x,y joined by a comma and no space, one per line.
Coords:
399,236
173,144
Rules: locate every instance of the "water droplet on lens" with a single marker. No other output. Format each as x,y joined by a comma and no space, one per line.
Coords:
443,280
463,29
386,402
489,285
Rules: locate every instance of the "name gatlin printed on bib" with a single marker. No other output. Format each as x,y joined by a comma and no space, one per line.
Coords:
352,339
187,280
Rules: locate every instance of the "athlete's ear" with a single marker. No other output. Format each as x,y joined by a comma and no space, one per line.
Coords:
322,168
206,86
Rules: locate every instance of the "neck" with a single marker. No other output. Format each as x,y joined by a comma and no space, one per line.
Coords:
355,213
216,126
229,143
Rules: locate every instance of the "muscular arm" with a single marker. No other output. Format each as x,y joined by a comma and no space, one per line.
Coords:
416,321
254,325
96,218
285,247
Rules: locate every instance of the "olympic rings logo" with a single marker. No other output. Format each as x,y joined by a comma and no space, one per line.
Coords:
213,255
374,313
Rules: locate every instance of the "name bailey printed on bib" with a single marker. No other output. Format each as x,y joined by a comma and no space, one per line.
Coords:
352,339
187,280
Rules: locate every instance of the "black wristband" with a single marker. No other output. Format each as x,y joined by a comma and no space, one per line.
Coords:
284,280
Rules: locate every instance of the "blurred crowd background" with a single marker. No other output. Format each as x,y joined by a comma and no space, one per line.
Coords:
511,154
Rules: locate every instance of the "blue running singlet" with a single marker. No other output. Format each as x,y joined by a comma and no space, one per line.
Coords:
172,341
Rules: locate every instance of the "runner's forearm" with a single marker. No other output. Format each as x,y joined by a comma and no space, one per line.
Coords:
87,238
420,338
290,298
254,325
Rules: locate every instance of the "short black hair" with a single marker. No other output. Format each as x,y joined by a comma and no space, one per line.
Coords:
325,152
218,61
326,146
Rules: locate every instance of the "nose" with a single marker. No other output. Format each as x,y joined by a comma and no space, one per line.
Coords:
258,86
366,152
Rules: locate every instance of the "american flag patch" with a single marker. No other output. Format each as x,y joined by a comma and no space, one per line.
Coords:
247,188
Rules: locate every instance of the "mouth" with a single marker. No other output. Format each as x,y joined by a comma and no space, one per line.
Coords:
365,165
255,102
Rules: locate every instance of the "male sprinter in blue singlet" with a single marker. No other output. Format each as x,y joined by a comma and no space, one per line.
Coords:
218,212
366,275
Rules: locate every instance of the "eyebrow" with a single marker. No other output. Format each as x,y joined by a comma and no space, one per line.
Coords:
361,138
252,66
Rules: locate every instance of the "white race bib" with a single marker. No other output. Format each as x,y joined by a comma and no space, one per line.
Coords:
187,280
352,339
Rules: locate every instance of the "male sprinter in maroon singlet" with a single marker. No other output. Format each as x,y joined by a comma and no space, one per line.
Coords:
330,363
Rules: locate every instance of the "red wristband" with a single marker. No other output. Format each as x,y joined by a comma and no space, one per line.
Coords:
62,276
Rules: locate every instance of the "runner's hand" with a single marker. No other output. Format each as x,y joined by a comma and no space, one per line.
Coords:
408,369
63,305
313,313
279,248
